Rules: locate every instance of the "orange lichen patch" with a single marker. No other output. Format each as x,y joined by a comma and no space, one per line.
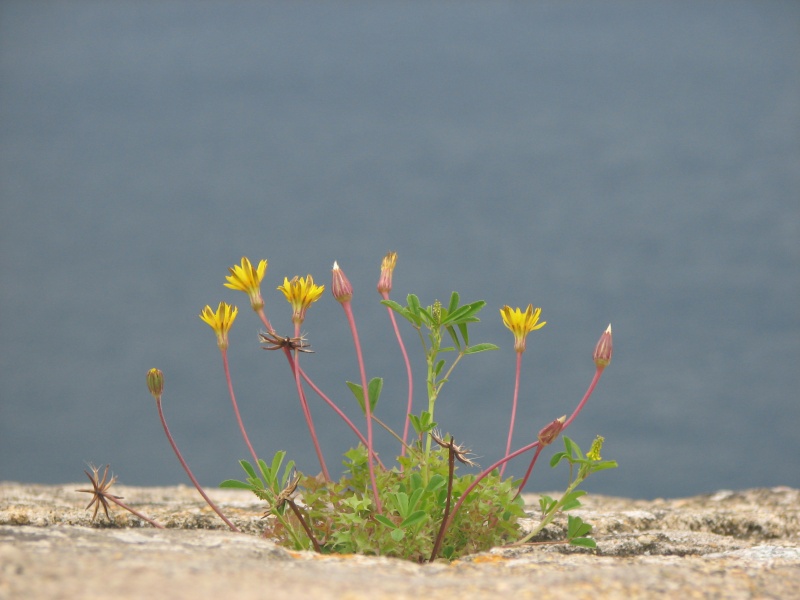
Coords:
489,558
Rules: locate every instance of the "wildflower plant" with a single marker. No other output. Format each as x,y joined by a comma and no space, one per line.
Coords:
432,500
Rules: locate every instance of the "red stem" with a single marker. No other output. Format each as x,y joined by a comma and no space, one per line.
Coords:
304,404
408,373
120,503
530,469
348,309
588,393
513,410
189,471
339,412
535,444
236,406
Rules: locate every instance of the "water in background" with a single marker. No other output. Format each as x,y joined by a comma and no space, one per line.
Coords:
637,164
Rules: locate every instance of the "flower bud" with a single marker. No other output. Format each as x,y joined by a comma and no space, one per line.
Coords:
387,268
604,350
155,382
550,432
436,312
341,288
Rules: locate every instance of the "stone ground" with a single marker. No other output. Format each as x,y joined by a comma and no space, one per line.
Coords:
743,544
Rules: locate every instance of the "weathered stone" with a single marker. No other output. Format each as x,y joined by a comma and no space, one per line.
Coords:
729,544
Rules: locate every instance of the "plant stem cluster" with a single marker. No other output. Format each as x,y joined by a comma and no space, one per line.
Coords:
421,507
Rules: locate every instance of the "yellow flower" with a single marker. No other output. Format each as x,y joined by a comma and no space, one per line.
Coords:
301,292
247,279
521,323
220,321
597,446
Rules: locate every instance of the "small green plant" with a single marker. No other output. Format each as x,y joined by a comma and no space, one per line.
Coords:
577,530
433,501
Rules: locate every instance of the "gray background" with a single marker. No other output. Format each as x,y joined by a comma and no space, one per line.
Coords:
632,163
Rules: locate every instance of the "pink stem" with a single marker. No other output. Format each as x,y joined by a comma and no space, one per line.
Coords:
530,468
486,472
408,373
236,406
265,321
586,396
535,444
304,404
339,412
189,471
513,410
120,503
348,309
330,402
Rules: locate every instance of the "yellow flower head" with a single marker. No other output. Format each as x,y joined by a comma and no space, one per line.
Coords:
220,321
521,323
247,279
301,292
387,268
597,446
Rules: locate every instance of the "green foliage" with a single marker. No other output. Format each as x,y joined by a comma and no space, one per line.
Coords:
577,531
342,518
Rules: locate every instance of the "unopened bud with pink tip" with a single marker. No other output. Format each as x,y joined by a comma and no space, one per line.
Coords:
604,350
549,433
341,288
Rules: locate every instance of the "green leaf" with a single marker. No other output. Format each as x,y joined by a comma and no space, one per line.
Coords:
453,303
413,500
480,348
395,306
556,458
415,423
374,388
568,506
576,528
385,521
438,368
573,450
546,503
234,484
426,316
414,519
462,327
602,466
248,468
436,481
398,534
402,311
583,542
464,313
573,496
454,337
287,473
401,498
413,305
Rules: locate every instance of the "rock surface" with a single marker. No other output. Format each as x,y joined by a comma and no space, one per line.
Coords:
725,545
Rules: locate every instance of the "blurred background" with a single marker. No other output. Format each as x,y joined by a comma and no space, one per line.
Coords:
627,163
